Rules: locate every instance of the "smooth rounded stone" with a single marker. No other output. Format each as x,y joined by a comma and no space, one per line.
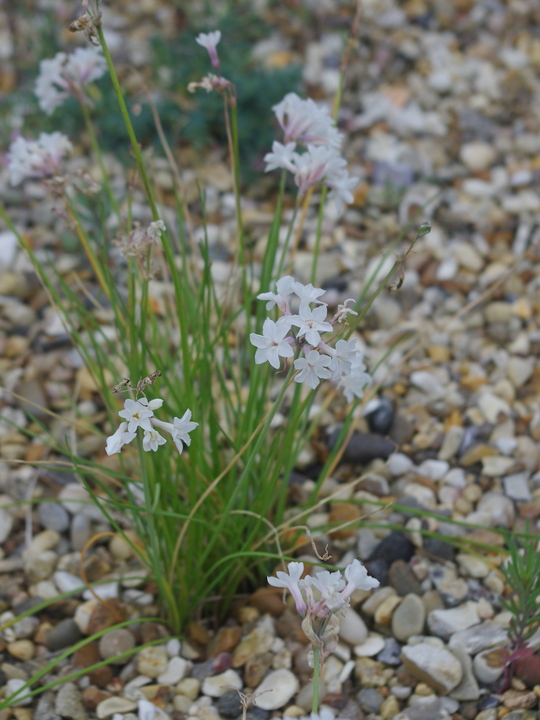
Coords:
498,508
107,591
488,634
304,697
516,487
383,614
395,546
67,582
116,642
519,700
63,635
437,667
409,618
377,598
380,419
120,548
472,566
352,628
519,370
487,672
81,531
370,647
444,623
173,647
370,700
428,382
426,708
362,448
69,703
77,500
528,670
53,516
437,549
112,705
45,540
6,524
229,705
21,649
451,443
477,155
283,685
176,669
489,714
14,685
433,469
40,566
152,661
366,544
497,465
399,464
491,406
402,579
378,569
468,689
258,641
391,654
218,685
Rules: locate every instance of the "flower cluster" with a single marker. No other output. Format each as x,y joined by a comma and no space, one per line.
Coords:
306,124
36,158
319,598
64,76
342,364
140,239
140,414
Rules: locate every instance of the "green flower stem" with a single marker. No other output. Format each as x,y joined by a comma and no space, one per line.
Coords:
99,157
318,236
316,676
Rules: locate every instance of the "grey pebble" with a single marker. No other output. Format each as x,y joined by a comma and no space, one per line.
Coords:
63,635
81,531
69,703
369,700
390,655
229,705
53,516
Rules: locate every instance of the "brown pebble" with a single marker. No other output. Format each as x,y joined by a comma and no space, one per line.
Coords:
256,668
289,625
341,513
518,699
267,600
21,649
224,640
528,670
91,697
152,631
105,615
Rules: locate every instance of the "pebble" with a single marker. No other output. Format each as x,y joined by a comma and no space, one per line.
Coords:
105,591
399,464
428,383
283,685
395,546
77,500
218,685
352,628
176,669
444,623
6,524
112,705
81,531
487,672
380,419
370,700
69,702
372,646
63,635
468,689
21,649
365,447
391,653
67,582
436,666
152,661
409,618
14,685
480,637
402,579
53,516
516,487
116,642
519,370
477,155
229,705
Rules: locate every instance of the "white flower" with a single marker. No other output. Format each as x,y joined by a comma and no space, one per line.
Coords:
357,380
341,185
305,122
152,440
329,586
311,322
312,367
120,438
66,75
138,413
290,582
155,229
37,158
285,288
210,41
271,345
308,293
343,357
182,427
282,156
315,165
358,579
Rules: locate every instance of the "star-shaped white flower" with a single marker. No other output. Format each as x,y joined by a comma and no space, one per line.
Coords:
343,358
121,437
311,322
182,427
290,582
152,440
285,288
312,367
271,345
137,413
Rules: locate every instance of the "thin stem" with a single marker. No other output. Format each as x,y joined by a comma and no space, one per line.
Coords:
316,676
99,157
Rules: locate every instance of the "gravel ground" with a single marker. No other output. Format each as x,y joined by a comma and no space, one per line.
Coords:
442,118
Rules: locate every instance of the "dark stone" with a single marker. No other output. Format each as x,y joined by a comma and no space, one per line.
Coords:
395,546
402,430
407,501
365,447
402,579
202,670
335,700
257,713
3,678
378,569
63,635
468,710
370,700
439,549
30,602
381,419
488,701
351,711
528,670
391,653
229,705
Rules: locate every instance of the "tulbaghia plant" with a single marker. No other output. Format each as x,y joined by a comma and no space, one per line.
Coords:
66,76
343,364
308,126
37,159
320,600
